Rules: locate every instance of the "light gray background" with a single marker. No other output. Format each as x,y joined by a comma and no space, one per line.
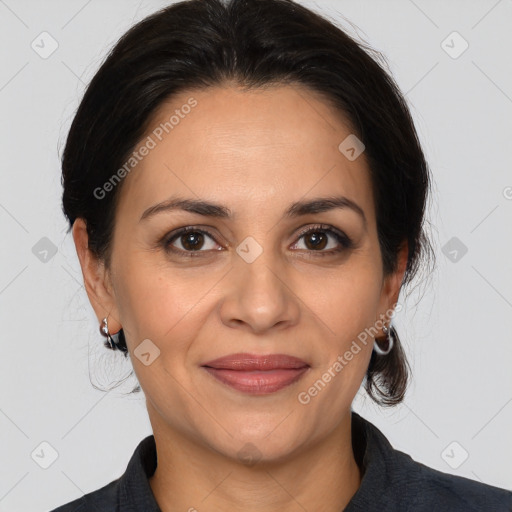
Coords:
457,337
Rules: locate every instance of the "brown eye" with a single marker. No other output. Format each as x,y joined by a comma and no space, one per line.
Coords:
316,240
190,240
319,238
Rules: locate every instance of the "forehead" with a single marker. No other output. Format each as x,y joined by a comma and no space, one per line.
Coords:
246,148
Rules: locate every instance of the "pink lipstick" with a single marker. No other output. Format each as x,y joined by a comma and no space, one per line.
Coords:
257,374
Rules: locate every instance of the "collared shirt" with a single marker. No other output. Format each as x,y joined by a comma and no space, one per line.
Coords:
391,481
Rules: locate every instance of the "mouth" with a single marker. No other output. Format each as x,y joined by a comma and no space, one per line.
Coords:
257,374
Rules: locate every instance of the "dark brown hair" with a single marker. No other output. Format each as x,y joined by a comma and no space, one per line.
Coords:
254,43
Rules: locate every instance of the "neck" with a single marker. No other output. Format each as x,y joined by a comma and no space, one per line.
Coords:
191,477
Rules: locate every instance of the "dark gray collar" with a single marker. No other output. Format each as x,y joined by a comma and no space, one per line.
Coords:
372,451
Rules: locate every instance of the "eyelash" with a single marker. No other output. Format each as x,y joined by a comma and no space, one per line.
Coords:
341,238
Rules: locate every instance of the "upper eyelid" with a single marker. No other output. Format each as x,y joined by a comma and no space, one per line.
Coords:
321,227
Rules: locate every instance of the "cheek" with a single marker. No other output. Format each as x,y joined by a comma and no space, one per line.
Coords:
346,300
345,306
348,308
160,303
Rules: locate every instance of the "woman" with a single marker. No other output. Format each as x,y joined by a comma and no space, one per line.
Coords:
246,192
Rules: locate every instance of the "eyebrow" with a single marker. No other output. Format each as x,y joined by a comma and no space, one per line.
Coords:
209,209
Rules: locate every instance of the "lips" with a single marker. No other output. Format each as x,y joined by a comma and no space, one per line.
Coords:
257,374
251,362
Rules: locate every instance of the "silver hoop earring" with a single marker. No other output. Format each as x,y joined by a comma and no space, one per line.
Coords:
389,342
105,332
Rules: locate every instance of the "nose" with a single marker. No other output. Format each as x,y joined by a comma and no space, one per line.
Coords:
259,295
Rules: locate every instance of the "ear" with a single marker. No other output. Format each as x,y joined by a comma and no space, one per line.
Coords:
97,279
392,283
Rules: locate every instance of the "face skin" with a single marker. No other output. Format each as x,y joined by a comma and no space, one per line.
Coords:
256,153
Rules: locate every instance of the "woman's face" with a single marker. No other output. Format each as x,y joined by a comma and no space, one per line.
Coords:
249,280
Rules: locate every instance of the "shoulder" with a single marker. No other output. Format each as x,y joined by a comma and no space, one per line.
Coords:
100,500
131,491
393,481
430,489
